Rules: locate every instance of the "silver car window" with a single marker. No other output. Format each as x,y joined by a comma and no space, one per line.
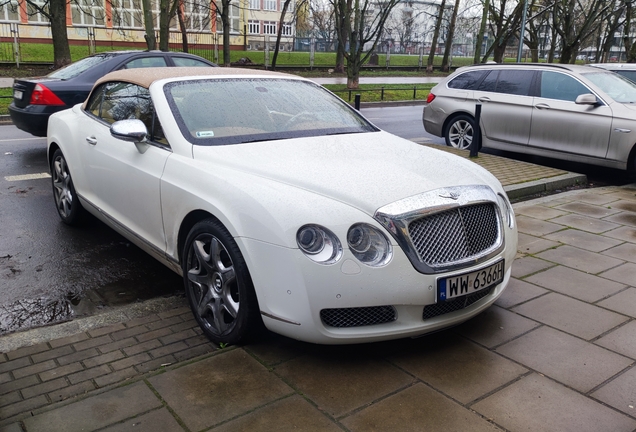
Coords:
555,85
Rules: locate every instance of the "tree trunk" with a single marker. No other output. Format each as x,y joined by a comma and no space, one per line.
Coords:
149,25
164,24
342,11
61,50
438,25
499,51
480,35
449,38
184,33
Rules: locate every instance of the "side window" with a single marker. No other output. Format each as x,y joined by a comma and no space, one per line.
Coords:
555,85
468,80
189,62
516,82
94,103
146,62
490,82
124,101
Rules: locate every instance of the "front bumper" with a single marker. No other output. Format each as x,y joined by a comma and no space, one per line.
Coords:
292,291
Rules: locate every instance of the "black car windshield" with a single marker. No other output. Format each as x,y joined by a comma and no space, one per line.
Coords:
241,110
616,86
74,69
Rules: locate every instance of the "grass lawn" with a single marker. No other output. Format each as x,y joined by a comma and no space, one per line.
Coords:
5,101
368,92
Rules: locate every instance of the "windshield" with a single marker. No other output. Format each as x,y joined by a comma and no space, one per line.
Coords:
617,87
241,110
74,69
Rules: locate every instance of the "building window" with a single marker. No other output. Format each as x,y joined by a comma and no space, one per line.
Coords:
269,27
33,12
234,19
9,11
127,14
286,30
88,13
269,5
255,4
197,15
254,27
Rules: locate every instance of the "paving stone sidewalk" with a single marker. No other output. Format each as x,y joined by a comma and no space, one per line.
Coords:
556,353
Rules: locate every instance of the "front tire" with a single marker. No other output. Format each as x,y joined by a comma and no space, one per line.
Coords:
218,285
459,132
66,202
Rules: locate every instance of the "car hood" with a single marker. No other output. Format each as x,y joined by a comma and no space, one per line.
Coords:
366,170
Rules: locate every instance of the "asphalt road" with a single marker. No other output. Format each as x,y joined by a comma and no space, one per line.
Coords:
46,266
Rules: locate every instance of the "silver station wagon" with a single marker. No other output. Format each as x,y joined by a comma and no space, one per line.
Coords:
570,112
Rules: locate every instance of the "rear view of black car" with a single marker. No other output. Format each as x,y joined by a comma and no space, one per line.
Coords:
35,99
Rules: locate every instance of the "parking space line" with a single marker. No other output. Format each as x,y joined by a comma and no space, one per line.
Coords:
27,177
22,139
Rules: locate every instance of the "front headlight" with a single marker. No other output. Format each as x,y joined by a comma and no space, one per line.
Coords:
319,244
507,212
369,245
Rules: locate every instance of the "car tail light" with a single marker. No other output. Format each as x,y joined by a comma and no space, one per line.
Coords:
42,95
430,98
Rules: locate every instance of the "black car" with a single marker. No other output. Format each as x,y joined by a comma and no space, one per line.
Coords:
35,99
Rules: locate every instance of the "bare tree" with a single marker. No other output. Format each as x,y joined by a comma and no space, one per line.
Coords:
574,22
438,26
55,12
364,24
630,46
449,38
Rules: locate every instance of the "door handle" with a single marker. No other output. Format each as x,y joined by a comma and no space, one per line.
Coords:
483,99
542,106
91,140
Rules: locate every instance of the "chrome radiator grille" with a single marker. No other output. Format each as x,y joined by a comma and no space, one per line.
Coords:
455,235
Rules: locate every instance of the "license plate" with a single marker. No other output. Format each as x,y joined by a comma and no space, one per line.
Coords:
469,283
18,94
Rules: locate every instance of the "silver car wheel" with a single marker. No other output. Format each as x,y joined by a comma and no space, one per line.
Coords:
460,134
62,187
66,202
212,284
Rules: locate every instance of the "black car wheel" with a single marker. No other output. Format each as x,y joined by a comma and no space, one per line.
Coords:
218,285
66,202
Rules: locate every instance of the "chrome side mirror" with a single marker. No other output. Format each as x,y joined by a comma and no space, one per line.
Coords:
132,130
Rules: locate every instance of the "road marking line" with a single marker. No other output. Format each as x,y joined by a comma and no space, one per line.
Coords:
28,177
22,139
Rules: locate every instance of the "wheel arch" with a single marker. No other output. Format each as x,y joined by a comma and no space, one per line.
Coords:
50,152
190,220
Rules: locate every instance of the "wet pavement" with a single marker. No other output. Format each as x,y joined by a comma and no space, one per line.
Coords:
555,353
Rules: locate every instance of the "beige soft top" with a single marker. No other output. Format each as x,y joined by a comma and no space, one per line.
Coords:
146,76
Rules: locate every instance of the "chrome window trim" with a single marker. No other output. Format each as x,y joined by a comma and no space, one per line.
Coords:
397,216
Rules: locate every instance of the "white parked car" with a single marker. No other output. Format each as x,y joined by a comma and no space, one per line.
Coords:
279,204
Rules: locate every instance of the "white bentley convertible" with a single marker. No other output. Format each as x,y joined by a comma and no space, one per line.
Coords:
280,205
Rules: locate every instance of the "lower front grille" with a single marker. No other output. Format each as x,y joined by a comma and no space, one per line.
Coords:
453,305
358,317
